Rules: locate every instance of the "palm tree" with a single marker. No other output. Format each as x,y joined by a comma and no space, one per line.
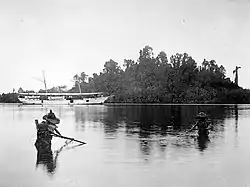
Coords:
236,74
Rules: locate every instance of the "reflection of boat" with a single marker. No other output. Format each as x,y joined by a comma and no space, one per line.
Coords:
62,98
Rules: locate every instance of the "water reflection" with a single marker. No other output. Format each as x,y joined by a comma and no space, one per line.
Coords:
203,142
46,158
236,117
236,114
138,142
145,143
156,121
159,118
85,114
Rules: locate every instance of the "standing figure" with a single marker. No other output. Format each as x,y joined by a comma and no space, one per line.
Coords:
52,120
202,124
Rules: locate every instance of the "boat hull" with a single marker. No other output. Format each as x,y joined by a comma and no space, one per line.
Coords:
85,101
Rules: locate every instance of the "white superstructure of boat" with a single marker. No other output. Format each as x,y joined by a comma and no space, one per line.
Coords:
62,98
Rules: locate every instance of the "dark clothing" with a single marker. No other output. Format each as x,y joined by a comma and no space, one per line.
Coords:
44,137
43,134
45,156
203,128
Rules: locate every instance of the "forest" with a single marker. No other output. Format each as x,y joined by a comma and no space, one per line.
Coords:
157,79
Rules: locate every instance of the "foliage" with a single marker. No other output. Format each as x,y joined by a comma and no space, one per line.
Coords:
9,98
178,79
150,79
235,96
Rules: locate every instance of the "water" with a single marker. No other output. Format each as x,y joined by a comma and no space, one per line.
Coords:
127,146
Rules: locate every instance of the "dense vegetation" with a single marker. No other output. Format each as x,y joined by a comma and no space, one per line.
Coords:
160,79
9,98
150,79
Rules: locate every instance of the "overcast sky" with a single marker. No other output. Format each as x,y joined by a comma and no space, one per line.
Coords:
66,37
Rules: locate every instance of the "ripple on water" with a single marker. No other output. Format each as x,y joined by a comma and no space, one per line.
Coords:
128,146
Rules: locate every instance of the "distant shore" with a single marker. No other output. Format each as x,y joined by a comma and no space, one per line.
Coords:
157,79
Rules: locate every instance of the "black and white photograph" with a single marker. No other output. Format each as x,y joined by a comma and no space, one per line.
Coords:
124,93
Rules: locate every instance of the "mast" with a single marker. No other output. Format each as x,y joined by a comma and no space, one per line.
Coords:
44,81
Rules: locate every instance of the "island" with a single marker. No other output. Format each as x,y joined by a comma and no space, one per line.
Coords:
157,79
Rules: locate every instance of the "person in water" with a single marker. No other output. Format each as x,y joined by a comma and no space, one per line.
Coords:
202,124
51,126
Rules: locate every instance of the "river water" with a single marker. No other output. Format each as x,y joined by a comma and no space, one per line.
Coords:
127,146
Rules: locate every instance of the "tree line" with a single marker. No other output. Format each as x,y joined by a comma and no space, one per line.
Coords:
161,79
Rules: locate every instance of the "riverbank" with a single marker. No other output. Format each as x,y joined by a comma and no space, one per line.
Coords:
234,96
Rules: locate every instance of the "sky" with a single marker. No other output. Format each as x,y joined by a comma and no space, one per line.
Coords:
66,37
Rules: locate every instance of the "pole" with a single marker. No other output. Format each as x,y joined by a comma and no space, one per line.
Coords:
68,138
13,95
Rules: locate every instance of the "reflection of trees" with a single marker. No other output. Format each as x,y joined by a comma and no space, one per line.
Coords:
236,123
92,113
112,120
159,117
147,120
236,117
89,113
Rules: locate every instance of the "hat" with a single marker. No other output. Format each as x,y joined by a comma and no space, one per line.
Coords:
202,115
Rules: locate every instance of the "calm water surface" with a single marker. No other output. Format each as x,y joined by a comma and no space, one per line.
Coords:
127,146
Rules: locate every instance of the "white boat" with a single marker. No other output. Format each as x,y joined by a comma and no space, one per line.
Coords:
62,98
